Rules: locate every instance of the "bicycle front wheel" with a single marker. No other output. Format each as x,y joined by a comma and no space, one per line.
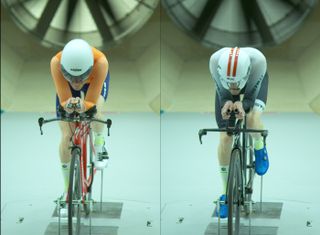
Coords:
234,193
75,194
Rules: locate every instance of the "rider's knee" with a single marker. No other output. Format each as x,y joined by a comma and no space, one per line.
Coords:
99,106
253,119
65,134
225,139
65,139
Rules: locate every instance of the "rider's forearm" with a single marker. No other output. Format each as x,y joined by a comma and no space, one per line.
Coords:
254,83
223,95
61,85
96,85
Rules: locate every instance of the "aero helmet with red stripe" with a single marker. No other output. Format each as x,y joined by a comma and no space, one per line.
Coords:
234,68
76,60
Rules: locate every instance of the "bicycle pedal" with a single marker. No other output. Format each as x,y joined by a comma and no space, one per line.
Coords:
250,166
76,202
221,202
60,202
88,200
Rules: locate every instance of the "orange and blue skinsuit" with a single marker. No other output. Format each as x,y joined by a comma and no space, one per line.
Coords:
97,84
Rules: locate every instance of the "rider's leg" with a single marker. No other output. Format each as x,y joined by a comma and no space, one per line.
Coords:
254,121
225,144
65,152
98,127
261,156
99,140
224,152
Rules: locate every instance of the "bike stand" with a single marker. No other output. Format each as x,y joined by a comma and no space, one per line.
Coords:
244,230
215,212
101,210
110,210
85,230
271,213
261,189
271,210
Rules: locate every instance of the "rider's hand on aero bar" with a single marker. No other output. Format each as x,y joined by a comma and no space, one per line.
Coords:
229,106
226,110
74,104
231,128
75,117
238,110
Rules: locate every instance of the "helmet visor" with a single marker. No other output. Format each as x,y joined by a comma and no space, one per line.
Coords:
75,79
233,85
236,83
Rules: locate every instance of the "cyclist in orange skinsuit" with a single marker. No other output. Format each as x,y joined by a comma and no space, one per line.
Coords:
80,74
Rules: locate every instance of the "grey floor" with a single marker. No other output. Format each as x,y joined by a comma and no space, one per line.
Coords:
191,181
31,177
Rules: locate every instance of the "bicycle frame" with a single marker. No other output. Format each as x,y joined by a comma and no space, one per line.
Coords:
79,139
240,133
240,143
246,180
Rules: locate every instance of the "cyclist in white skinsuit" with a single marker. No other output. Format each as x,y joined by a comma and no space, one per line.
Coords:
239,71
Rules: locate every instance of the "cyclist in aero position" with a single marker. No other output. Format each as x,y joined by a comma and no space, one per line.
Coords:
239,71
81,75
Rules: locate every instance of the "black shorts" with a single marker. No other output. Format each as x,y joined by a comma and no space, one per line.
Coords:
260,100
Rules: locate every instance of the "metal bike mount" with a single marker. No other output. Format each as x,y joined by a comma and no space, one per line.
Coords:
62,203
101,192
261,188
219,203
110,211
59,203
90,202
255,210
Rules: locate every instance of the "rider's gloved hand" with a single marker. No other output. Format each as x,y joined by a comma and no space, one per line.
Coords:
237,106
80,107
74,104
226,110
69,105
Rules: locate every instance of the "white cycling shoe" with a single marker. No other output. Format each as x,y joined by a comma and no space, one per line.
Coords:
64,212
101,158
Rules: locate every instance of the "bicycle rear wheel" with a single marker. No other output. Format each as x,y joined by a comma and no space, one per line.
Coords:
75,193
87,206
234,193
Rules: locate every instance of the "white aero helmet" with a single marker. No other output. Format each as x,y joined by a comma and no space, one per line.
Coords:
76,60
234,68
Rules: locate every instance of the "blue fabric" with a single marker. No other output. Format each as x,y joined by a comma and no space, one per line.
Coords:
261,161
223,208
84,89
